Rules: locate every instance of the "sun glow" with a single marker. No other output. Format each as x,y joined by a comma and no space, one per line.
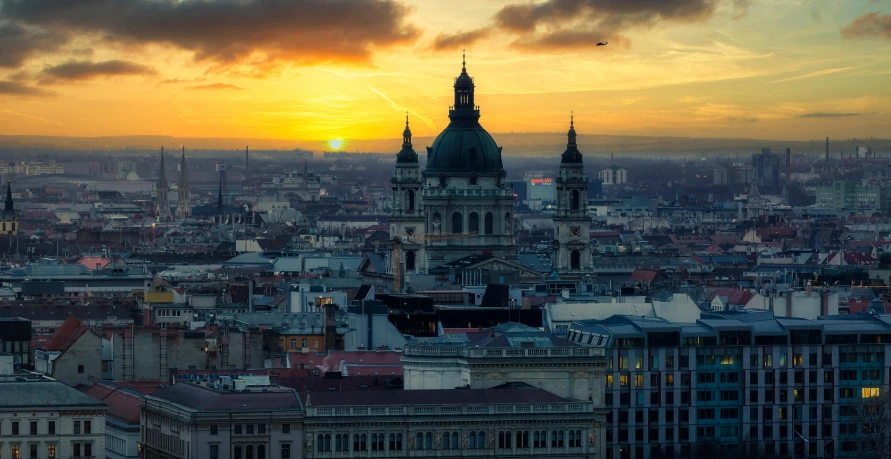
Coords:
335,144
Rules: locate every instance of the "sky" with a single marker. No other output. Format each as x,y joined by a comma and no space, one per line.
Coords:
337,72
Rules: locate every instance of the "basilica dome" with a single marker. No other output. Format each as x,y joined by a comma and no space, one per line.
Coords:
464,146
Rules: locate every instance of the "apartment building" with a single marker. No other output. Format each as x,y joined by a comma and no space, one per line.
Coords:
45,419
736,380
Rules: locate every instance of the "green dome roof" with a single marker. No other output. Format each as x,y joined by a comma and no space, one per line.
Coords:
464,148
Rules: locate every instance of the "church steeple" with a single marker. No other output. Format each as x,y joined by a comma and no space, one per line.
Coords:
407,154
571,154
9,209
183,203
162,204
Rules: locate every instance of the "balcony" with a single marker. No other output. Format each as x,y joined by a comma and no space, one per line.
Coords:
447,410
467,193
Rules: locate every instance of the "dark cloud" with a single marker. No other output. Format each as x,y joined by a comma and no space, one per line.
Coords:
229,31
742,119
17,89
741,8
830,115
869,25
447,42
18,43
84,70
583,23
216,86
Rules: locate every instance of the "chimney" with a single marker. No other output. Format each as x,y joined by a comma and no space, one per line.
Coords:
827,149
824,302
251,295
809,288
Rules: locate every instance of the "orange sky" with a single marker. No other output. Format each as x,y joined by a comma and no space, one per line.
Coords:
314,70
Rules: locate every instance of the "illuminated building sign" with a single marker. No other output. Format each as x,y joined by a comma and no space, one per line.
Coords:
541,181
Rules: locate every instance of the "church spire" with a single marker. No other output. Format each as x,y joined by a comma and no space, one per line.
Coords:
571,154
407,154
464,110
9,203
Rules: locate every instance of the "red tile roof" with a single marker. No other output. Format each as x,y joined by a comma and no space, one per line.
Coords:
91,262
734,296
66,335
121,405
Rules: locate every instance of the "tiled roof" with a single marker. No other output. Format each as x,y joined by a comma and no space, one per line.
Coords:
121,405
66,335
44,393
204,399
434,397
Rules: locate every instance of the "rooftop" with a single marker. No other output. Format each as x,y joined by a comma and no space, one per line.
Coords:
44,393
205,399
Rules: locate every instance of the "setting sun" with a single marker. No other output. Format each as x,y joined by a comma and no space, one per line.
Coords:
335,144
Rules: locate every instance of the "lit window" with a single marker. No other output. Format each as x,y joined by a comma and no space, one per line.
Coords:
869,392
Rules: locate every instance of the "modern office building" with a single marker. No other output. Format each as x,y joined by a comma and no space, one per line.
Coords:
737,380
766,169
45,419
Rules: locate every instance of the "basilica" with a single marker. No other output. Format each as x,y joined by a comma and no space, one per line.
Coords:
458,209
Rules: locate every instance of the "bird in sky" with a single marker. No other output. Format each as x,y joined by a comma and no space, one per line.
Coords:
602,43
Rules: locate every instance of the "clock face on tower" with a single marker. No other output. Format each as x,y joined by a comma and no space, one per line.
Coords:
575,231
409,231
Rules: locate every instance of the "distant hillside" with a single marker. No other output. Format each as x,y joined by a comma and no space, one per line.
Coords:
515,144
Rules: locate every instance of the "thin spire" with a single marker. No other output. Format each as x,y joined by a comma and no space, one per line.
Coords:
463,60
406,118
9,204
572,118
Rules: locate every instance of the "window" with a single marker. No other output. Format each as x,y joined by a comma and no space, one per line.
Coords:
51,451
473,221
51,428
88,449
302,342
76,430
869,392
238,449
32,451
33,428
340,442
396,442
80,369
457,223
14,449
261,429
237,429
293,343
489,223
88,429
214,429
249,429
286,428
523,440
214,451
261,451
504,439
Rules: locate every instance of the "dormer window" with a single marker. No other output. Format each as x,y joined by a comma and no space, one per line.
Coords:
442,181
473,179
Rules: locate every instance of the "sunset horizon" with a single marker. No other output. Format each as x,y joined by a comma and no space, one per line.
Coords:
323,72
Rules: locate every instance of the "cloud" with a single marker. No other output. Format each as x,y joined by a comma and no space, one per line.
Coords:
215,86
18,43
25,115
582,23
817,73
229,31
831,115
869,25
742,119
84,70
741,8
17,89
446,42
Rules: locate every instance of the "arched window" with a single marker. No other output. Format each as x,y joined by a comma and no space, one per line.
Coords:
261,451
320,441
356,442
489,223
457,223
409,260
238,450
392,442
553,439
442,181
473,222
575,259
328,442
445,441
536,440
410,200
249,452
571,438
398,442
481,440
338,443
419,440
454,440
574,200
472,440
428,440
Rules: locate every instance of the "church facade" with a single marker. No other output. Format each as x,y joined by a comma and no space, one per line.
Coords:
459,205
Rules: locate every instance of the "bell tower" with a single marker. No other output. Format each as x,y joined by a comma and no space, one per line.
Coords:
572,244
407,220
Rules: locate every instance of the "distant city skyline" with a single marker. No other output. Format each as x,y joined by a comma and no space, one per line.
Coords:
344,73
